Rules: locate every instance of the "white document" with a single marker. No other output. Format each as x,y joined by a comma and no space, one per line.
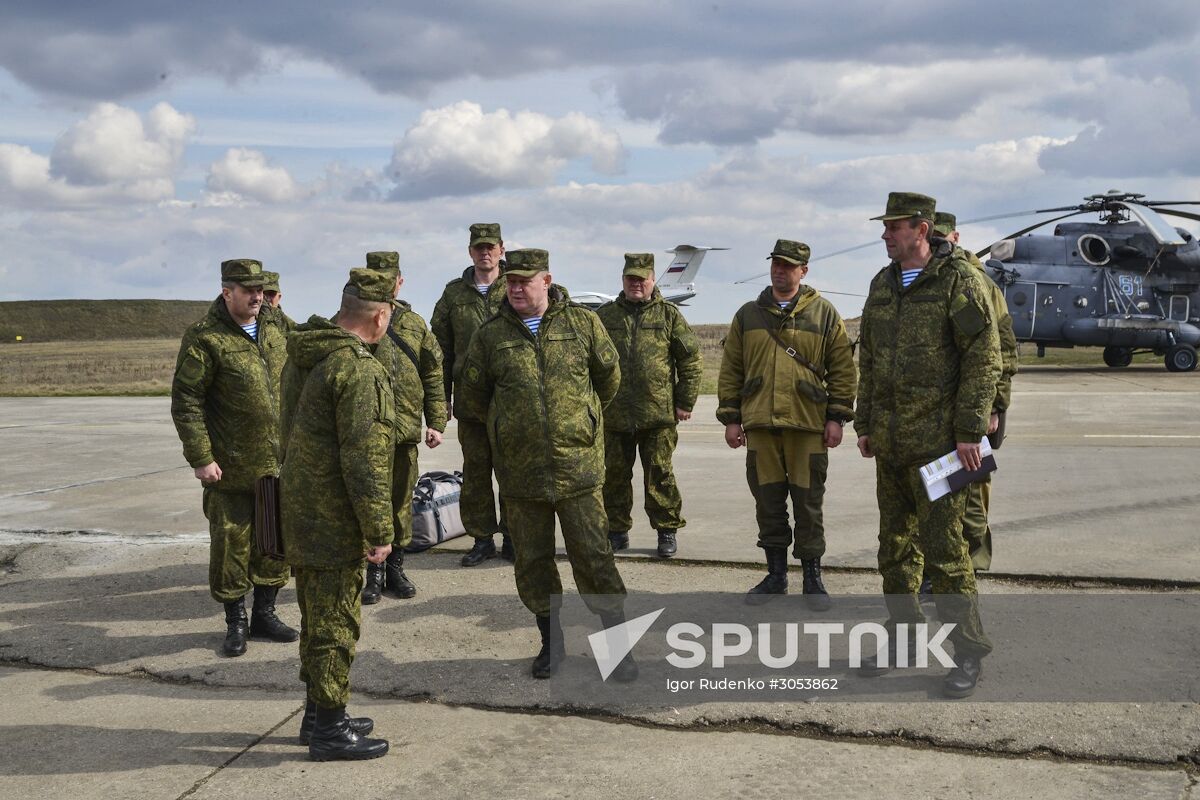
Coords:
936,472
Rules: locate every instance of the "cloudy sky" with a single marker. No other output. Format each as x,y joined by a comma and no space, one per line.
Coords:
143,142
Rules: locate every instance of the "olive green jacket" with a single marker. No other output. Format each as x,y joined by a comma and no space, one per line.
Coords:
225,398
660,362
928,359
761,386
1008,339
335,487
457,314
542,398
415,369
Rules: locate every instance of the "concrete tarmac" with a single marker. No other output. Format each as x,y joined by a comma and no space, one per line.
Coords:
114,685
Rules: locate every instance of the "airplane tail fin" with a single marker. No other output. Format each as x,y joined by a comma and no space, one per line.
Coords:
683,268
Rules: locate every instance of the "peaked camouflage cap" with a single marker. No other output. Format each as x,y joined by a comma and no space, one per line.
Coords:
906,205
639,265
245,271
527,263
485,233
945,223
385,261
794,252
272,284
373,285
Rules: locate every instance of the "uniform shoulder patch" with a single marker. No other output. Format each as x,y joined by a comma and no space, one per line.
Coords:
472,373
967,316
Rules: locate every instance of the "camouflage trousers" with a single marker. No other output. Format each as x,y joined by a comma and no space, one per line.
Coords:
916,533
976,530
788,463
664,506
330,603
585,533
404,477
234,564
478,501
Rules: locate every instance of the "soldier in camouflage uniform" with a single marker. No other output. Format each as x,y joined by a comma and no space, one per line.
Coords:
225,405
660,379
929,362
272,310
465,304
413,361
976,530
540,373
785,390
336,500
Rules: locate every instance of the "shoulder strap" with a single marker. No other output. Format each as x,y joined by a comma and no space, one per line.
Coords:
791,351
403,345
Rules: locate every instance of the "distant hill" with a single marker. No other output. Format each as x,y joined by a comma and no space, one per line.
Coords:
95,320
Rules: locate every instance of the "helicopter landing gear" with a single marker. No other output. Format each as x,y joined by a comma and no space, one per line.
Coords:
1181,358
1120,356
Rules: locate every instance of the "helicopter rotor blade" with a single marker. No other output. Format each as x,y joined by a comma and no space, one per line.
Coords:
1153,203
818,258
1024,231
1173,213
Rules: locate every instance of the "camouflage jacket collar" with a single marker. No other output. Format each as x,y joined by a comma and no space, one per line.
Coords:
468,276
219,313
938,259
558,303
319,338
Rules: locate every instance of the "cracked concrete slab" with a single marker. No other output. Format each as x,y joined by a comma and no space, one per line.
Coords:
466,640
116,738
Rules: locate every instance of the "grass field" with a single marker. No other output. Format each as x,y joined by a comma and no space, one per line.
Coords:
144,366
126,367
97,320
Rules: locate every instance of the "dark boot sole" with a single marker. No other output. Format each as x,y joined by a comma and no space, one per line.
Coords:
402,594
263,637
231,654
957,694
345,756
476,561
370,600
759,599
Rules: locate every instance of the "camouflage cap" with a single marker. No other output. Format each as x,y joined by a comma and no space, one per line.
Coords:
245,271
272,284
485,233
905,205
385,261
945,223
373,285
527,263
639,265
793,252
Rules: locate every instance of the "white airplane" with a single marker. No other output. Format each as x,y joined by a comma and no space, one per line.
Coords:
675,282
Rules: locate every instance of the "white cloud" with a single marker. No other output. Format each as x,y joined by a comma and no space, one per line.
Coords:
112,155
460,149
248,174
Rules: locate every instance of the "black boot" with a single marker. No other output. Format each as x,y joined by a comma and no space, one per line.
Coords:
619,540
666,543
396,580
925,591
333,739
236,628
264,624
815,596
627,669
483,549
360,725
960,681
372,584
776,581
870,666
506,548
553,650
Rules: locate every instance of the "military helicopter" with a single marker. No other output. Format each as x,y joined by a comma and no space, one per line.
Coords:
1129,283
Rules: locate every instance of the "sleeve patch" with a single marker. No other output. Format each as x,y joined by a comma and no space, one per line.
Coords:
191,371
967,316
